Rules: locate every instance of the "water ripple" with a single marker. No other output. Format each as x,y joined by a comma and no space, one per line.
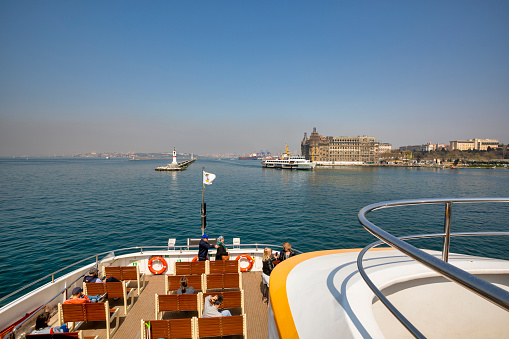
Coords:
56,211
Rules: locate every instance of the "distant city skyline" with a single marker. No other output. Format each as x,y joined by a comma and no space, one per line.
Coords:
240,77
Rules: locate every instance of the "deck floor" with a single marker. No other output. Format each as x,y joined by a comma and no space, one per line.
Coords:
144,308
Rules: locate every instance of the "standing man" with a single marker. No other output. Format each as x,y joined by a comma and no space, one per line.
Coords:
203,250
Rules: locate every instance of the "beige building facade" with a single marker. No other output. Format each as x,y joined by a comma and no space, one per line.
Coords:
473,144
384,147
339,149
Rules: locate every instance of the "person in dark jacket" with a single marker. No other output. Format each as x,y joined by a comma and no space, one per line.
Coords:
287,252
92,276
203,250
268,266
221,249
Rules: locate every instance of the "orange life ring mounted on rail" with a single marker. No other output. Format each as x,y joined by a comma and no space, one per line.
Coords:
195,259
161,260
250,260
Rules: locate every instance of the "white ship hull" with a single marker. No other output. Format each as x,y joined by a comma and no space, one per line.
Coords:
291,163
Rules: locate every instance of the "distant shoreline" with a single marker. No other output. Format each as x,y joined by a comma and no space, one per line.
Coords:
502,163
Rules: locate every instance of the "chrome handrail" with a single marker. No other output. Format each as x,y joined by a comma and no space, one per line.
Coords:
41,307
52,275
138,248
479,286
106,254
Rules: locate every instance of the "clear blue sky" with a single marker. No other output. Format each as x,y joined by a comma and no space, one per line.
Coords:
242,76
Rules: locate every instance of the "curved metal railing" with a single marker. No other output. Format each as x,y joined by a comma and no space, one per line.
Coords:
139,249
109,254
494,294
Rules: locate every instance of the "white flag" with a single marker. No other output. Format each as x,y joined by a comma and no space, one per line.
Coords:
208,178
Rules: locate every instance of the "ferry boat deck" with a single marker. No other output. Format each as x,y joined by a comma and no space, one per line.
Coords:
48,296
143,309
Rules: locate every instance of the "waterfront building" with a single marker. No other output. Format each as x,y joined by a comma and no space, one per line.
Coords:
473,144
428,147
439,147
384,147
411,148
339,150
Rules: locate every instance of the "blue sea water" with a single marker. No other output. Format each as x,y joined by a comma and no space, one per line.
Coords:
56,211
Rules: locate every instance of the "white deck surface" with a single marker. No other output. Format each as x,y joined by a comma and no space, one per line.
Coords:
328,298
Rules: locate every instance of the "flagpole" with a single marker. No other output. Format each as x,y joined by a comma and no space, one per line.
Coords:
203,206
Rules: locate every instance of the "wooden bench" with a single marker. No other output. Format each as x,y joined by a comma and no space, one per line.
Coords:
224,266
190,268
221,326
172,282
222,281
176,302
78,335
72,313
169,329
113,290
125,273
231,299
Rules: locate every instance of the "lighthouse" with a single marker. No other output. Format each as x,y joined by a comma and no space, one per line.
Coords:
175,166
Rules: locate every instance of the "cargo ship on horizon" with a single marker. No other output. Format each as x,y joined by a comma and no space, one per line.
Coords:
249,157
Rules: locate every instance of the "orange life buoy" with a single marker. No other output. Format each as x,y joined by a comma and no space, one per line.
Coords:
161,260
249,266
195,259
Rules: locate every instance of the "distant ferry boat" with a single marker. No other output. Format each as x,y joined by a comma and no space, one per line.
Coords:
249,157
289,162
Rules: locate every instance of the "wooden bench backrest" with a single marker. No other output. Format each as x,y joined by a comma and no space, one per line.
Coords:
221,326
122,272
173,282
94,288
223,281
54,335
84,312
114,271
114,289
232,325
169,329
178,302
231,299
190,268
224,266
129,273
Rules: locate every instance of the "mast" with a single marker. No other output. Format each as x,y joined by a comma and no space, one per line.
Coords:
203,206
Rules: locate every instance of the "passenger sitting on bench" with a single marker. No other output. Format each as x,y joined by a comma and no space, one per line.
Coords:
211,307
92,276
77,297
183,287
42,327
